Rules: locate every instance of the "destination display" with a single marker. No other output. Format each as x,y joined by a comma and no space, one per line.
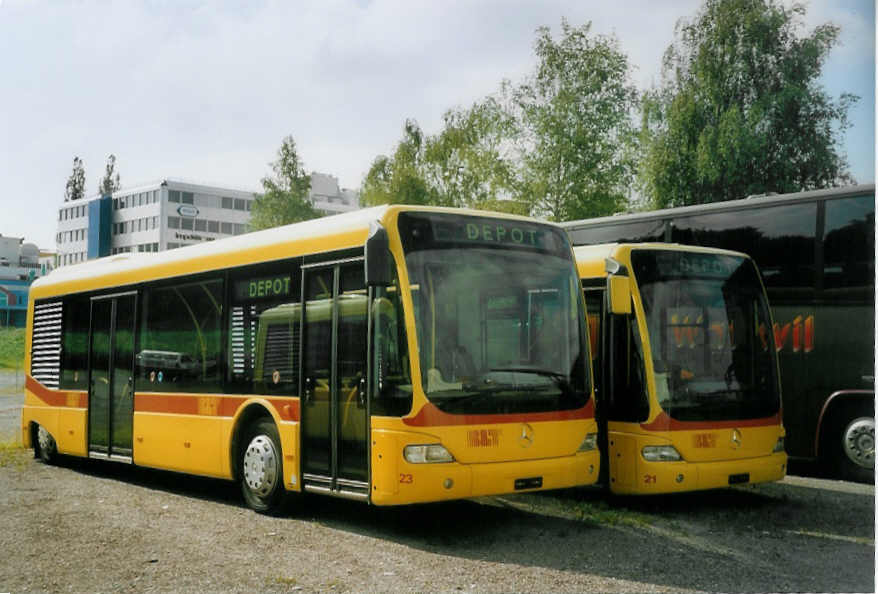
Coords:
693,265
271,287
426,231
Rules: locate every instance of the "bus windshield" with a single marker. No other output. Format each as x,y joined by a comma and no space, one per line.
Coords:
497,314
710,335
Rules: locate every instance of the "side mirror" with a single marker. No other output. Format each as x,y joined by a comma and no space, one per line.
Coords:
619,294
378,258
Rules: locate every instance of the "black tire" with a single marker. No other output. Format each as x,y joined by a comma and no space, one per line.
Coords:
261,467
852,445
45,447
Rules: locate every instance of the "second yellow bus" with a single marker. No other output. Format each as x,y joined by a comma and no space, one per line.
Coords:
686,372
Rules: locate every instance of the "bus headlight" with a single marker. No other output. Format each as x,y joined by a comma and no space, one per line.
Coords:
427,454
661,454
779,446
590,443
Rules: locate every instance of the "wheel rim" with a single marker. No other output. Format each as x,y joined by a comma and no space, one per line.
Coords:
260,465
859,442
46,441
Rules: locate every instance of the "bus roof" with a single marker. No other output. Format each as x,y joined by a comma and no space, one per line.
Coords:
338,232
591,259
745,203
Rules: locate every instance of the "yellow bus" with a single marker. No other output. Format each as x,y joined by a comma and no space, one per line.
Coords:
392,355
686,373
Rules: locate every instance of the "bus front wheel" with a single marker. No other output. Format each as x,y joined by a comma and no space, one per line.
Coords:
854,446
262,467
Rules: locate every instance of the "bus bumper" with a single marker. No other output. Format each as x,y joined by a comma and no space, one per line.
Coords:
673,477
421,483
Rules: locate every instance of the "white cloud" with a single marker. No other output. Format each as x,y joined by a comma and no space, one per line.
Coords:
208,90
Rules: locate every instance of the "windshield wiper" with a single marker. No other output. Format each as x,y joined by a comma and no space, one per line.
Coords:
534,370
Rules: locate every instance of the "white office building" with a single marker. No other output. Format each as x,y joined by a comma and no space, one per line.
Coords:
168,214
328,198
149,218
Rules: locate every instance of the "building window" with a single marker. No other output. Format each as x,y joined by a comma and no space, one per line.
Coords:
200,225
173,222
226,228
173,196
172,245
187,224
188,198
228,203
239,229
249,205
239,204
213,226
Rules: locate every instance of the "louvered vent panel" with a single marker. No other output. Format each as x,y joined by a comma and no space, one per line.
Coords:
278,348
45,360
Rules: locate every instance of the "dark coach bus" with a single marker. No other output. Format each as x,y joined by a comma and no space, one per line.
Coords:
816,252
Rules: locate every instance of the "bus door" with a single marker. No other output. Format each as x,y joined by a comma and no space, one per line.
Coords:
335,434
111,377
620,387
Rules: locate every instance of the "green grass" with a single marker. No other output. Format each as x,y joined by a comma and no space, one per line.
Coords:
12,453
602,513
11,348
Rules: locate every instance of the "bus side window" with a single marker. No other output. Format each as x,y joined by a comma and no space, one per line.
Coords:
594,305
264,334
627,397
392,385
181,338
74,348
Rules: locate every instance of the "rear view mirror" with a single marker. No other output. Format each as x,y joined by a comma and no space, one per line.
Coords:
378,259
619,294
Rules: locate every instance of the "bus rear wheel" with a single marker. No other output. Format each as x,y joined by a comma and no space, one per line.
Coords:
262,467
854,446
46,448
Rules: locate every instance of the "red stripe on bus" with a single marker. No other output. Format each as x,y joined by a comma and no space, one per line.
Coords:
65,398
665,423
225,406
431,416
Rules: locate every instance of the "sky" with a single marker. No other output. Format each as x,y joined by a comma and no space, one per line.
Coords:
206,91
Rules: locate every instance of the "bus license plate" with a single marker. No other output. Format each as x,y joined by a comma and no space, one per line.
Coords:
528,483
737,479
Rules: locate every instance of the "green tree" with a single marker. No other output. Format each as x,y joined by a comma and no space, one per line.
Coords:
577,140
399,179
111,181
76,182
468,164
472,161
740,111
286,195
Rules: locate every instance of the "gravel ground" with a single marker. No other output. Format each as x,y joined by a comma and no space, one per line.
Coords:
85,526
11,399
91,527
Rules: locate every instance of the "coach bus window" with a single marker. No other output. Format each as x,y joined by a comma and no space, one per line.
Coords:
264,333
779,238
641,231
710,335
497,314
181,338
849,248
74,350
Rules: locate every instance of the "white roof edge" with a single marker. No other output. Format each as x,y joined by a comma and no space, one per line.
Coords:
359,219
769,199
